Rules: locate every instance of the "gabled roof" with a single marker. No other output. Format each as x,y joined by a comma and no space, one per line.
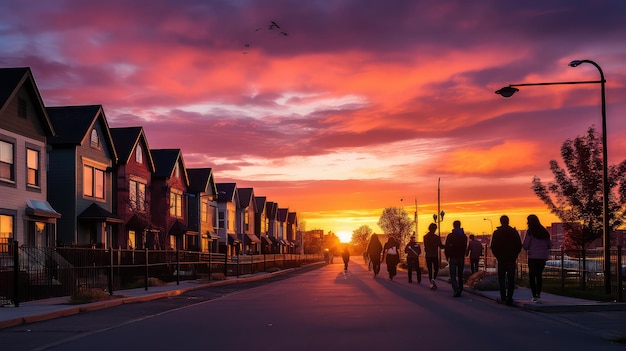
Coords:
260,202
125,141
201,181
272,210
226,192
246,196
12,80
73,123
282,214
291,217
164,162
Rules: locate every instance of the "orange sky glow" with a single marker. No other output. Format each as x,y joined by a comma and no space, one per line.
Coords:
361,105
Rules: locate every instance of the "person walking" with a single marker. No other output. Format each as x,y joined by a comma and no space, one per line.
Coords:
432,245
506,246
345,255
391,256
413,251
374,250
454,249
538,244
474,251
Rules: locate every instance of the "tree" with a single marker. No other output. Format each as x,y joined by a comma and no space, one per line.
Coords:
394,221
361,237
575,195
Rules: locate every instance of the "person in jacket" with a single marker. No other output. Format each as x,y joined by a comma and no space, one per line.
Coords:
506,246
374,251
538,244
345,255
454,249
474,251
432,245
413,251
391,256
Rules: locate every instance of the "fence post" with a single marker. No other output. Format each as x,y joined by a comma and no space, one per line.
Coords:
146,270
177,264
110,271
620,298
562,269
226,263
16,274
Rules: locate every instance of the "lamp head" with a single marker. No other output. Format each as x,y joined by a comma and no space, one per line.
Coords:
575,63
507,91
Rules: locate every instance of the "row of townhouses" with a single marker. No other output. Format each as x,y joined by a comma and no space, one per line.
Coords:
68,179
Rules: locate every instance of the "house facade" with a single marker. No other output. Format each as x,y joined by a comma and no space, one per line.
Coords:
25,214
261,224
169,202
246,212
133,181
82,157
227,200
203,211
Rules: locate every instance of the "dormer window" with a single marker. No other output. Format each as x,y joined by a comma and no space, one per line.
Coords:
94,140
139,154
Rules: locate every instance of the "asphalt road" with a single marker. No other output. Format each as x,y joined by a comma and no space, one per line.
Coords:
312,309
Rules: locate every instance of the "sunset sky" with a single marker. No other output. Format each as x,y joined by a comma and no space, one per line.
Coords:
360,104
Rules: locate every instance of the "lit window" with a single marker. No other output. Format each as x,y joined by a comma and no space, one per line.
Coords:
93,182
6,232
131,239
138,154
176,204
95,140
7,167
137,195
32,164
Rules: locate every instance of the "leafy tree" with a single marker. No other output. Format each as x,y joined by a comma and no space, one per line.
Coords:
395,221
331,242
575,195
361,237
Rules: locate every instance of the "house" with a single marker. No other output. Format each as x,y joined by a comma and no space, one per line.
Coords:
227,200
169,202
133,181
246,211
203,207
292,231
271,212
82,157
25,214
281,221
261,224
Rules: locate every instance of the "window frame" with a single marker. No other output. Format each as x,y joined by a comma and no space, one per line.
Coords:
96,175
36,171
10,164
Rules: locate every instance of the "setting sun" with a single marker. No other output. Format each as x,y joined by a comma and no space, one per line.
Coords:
344,236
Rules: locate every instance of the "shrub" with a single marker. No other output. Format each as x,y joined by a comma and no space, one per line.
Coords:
218,276
483,281
87,295
273,269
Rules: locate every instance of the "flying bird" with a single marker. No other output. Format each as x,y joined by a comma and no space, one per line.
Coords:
273,25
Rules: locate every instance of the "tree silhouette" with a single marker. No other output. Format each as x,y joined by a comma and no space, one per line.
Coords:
395,221
361,237
575,195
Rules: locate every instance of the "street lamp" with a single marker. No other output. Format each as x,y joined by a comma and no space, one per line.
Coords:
490,222
512,89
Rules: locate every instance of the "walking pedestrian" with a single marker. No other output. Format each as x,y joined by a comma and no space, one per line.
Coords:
432,245
413,251
345,255
474,251
374,251
454,249
538,244
506,246
391,256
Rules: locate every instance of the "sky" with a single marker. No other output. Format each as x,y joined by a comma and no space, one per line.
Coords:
338,109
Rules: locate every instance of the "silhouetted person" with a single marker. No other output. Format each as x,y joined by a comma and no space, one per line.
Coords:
432,245
474,251
537,243
391,256
456,244
413,251
506,245
345,255
374,251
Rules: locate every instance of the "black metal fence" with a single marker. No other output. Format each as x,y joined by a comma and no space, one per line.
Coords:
54,272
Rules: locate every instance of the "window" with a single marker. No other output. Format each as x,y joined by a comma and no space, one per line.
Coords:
137,195
204,211
94,140
176,204
221,219
32,165
7,167
22,110
246,220
131,239
139,154
93,182
6,232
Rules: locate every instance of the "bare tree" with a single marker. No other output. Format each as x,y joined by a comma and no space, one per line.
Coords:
395,221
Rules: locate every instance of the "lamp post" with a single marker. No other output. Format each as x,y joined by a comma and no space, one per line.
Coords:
491,223
512,89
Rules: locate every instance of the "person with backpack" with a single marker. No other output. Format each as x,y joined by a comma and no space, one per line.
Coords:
506,246
454,249
391,256
413,251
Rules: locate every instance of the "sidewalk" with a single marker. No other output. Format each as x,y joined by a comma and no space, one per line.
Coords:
40,310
